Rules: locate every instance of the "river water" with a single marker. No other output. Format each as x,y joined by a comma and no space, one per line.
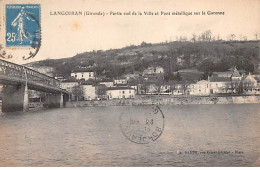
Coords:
194,135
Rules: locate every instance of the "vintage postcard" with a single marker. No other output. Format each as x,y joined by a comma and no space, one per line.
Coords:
129,83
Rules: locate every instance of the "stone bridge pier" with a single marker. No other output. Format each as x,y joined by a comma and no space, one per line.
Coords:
16,98
55,100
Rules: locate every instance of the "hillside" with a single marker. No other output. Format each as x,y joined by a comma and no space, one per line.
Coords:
205,56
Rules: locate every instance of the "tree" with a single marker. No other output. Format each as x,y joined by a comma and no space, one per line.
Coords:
240,37
232,36
256,36
91,62
206,35
194,37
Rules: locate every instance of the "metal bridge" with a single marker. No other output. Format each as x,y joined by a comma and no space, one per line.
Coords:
14,74
17,79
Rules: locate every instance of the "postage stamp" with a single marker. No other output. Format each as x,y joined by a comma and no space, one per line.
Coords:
22,25
22,31
143,127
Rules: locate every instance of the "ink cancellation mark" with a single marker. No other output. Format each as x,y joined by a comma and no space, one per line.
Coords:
143,127
22,24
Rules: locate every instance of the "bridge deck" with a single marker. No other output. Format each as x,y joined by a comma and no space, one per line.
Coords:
14,74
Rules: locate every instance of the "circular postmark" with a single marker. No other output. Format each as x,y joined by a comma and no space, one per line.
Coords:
142,127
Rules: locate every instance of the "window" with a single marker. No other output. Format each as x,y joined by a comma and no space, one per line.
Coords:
129,91
82,75
75,75
123,92
89,74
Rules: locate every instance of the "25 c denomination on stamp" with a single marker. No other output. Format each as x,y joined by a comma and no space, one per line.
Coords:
143,127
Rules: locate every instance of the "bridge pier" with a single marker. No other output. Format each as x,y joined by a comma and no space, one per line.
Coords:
55,100
15,98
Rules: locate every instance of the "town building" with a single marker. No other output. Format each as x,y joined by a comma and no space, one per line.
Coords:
120,82
179,89
221,85
120,93
141,89
201,88
165,89
83,74
60,77
250,85
225,74
152,89
133,86
236,77
231,73
107,82
153,70
89,91
68,85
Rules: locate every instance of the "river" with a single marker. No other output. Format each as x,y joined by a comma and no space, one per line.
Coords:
194,135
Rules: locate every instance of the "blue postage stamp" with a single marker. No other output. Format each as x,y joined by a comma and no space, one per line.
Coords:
23,25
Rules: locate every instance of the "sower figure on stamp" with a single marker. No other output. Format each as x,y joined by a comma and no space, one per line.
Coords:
19,21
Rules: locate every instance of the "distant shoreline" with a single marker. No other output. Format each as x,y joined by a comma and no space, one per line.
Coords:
167,100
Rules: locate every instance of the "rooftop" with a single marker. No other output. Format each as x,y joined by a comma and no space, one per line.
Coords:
120,88
76,70
224,72
219,79
66,82
106,80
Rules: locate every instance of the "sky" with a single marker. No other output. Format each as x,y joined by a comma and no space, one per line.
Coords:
65,36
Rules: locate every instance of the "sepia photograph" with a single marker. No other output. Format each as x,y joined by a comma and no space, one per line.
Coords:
127,83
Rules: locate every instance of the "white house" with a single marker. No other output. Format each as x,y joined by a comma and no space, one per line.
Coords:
201,88
159,70
89,92
120,81
85,74
120,93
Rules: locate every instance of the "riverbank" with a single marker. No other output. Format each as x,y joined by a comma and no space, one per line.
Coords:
167,100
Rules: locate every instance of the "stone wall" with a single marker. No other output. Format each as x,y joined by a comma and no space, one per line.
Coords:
167,100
